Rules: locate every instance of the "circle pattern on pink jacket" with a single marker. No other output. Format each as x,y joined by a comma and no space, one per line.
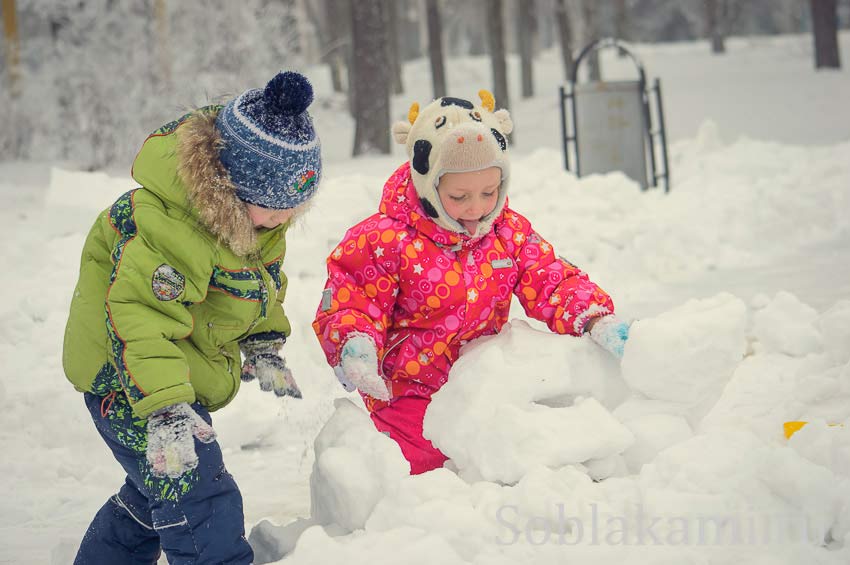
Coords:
420,292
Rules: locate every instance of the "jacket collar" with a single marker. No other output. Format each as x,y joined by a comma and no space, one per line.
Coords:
400,201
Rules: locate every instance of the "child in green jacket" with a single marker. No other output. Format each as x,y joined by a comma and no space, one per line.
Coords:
176,278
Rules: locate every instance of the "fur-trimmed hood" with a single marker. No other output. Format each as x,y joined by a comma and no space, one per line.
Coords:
400,201
453,135
208,184
186,151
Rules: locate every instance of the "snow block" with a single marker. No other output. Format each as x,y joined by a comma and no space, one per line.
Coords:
834,325
787,325
517,400
687,354
654,433
355,465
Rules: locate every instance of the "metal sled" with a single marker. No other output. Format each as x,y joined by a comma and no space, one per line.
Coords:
617,125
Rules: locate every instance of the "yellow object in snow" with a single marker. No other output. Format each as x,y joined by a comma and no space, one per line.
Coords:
792,428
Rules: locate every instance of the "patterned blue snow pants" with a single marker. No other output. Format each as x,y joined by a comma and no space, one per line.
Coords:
195,519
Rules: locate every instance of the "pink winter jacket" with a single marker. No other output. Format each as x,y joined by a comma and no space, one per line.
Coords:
421,292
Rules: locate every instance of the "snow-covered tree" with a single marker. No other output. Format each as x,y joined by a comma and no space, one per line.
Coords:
98,75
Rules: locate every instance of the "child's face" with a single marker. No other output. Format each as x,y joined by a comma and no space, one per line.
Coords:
468,197
267,218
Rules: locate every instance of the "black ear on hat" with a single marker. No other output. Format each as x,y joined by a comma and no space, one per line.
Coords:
500,138
421,154
429,208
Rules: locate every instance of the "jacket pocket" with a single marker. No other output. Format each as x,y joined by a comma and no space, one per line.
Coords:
388,354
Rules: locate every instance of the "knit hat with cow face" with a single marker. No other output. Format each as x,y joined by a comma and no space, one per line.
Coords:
452,135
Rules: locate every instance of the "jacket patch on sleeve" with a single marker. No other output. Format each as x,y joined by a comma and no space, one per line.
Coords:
327,299
167,283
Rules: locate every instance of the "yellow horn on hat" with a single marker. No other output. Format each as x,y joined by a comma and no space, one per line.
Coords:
413,113
487,99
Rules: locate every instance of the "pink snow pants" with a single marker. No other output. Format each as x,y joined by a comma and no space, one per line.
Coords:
402,421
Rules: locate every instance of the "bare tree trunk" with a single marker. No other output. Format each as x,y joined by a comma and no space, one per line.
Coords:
393,46
621,23
12,46
320,24
565,36
435,48
495,37
714,18
545,25
162,46
409,41
338,39
476,34
591,26
525,40
370,78
825,31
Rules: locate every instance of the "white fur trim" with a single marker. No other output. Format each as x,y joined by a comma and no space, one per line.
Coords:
353,334
487,221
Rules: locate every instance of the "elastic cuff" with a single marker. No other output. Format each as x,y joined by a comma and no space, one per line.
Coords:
183,392
594,311
265,342
265,336
604,322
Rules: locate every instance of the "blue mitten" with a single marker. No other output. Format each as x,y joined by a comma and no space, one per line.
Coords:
358,367
611,334
263,363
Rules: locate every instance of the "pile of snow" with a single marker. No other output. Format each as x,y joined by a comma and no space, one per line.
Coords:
497,417
529,419
724,486
354,467
710,381
686,355
786,325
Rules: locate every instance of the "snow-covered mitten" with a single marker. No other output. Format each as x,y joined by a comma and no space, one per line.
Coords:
611,334
358,368
171,447
343,380
263,363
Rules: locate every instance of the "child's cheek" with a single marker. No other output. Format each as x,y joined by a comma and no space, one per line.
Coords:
452,209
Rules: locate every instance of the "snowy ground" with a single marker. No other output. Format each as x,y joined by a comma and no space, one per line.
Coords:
689,428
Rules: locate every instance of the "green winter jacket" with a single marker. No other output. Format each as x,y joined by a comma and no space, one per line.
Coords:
172,277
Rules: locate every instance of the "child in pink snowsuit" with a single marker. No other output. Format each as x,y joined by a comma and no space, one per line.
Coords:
437,267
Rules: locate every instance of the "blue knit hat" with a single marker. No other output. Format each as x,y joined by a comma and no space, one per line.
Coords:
270,148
